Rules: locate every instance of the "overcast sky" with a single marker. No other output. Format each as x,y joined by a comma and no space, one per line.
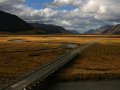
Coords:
80,15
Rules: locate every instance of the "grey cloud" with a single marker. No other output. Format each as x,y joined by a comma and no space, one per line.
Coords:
103,10
58,3
88,14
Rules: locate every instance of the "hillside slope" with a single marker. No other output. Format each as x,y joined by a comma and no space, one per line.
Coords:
113,30
12,23
98,30
49,28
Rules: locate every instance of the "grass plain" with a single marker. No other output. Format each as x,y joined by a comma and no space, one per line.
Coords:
21,54
99,61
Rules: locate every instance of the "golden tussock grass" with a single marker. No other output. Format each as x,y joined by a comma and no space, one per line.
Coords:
99,61
22,54
17,58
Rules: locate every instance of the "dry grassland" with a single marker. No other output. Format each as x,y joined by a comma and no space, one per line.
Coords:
55,38
17,58
22,54
99,61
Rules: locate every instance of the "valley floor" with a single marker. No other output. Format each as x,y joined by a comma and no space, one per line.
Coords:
21,54
99,61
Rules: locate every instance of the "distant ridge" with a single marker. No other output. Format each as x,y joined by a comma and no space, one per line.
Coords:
91,31
49,28
74,31
98,30
113,30
12,23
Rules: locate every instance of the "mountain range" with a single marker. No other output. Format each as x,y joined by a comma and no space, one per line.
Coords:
98,30
113,30
10,23
49,28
